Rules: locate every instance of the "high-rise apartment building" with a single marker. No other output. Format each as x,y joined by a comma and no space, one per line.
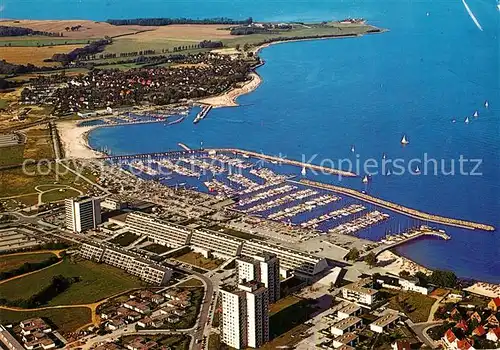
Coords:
262,267
82,213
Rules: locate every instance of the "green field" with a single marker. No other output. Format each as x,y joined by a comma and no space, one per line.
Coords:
199,260
65,320
42,41
3,103
12,262
98,281
11,155
56,195
415,305
156,248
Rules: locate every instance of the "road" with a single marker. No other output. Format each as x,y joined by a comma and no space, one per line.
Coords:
421,329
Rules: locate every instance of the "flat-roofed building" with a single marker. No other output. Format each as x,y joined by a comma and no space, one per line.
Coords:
297,262
349,310
360,292
346,325
384,322
135,265
8,341
263,267
349,339
158,231
82,213
219,244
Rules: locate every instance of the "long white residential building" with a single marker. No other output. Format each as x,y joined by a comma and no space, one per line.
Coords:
158,231
360,292
146,270
290,260
82,213
265,268
245,316
216,243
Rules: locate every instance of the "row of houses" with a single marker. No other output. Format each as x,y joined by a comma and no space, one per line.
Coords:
223,245
135,265
30,334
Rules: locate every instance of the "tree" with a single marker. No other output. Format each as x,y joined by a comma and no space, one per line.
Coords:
443,278
404,274
371,259
353,255
237,47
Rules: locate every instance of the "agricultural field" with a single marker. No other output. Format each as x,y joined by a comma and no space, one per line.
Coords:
34,41
97,281
12,262
11,155
66,319
35,55
38,143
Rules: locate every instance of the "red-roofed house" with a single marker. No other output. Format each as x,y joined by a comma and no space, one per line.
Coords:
462,325
476,316
493,334
494,304
479,331
492,321
450,339
401,345
464,345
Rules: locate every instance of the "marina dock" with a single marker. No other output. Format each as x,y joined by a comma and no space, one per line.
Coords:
399,208
203,113
410,237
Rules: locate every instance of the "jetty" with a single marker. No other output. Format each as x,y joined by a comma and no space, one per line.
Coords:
280,160
203,113
183,146
399,208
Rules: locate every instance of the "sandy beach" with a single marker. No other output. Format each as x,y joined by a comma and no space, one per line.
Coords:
74,140
399,263
229,98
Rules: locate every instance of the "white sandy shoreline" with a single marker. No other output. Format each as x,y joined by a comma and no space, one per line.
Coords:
74,140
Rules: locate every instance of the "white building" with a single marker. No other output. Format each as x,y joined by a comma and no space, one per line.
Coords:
210,242
384,322
158,231
8,341
264,268
245,316
297,262
346,325
360,292
83,213
146,270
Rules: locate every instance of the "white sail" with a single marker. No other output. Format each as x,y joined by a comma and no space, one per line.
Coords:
365,179
476,114
404,140
417,170
467,120
486,104
303,172
388,172
353,149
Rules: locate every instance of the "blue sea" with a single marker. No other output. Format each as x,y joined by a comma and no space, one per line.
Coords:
321,97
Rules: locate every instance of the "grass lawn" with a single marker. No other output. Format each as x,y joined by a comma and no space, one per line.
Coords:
287,314
283,303
214,342
98,281
15,182
125,239
11,155
38,143
3,103
199,260
59,195
415,305
12,262
233,232
65,320
193,282
156,248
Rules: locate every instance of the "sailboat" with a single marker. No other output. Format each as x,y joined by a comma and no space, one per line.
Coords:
404,140
383,156
303,172
486,104
388,173
365,179
353,149
467,120
476,114
417,170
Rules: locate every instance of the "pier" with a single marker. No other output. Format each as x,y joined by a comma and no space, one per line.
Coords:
203,113
183,146
418,234
399,208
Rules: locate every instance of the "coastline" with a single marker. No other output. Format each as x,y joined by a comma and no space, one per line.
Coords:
74,140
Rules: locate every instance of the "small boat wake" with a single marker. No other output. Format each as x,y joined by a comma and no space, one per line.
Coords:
474,19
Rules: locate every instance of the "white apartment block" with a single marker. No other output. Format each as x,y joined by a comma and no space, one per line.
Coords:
219,244
295,261
245,316
158,231
264,268
360,292
83,213
384,322
147,271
